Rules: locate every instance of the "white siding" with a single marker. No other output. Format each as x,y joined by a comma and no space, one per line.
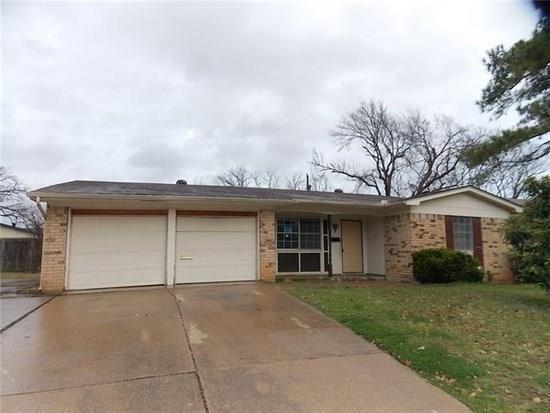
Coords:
461,205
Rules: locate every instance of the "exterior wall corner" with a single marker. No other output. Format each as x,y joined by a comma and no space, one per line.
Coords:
267,254
495,250
54,250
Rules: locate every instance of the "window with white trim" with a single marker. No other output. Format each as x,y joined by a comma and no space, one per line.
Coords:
299,243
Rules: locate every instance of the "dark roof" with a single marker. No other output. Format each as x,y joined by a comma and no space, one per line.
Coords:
90,188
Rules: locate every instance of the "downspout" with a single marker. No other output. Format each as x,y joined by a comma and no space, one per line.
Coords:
39,206
329,228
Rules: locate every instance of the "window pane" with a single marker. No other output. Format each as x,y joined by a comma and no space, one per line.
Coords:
463,234
287,234
310,262
287,262
310,234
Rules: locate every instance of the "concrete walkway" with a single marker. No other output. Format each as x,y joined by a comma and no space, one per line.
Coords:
223,348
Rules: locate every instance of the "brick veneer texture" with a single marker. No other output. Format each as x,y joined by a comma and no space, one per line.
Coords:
52,278
406,233
267,245
495,249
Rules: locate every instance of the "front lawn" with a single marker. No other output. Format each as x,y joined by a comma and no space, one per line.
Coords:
488,345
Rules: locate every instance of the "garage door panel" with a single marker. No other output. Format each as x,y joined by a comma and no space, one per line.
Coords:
116,251
216,224
222,249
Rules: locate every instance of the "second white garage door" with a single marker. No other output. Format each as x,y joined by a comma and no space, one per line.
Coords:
117,251
210,249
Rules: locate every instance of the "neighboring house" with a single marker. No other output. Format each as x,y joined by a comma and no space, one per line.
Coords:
20,249
11,232
116,234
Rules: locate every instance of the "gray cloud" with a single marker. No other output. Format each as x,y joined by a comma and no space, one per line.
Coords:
158,91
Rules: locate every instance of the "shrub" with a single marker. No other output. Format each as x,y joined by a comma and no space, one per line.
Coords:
443,266
529,235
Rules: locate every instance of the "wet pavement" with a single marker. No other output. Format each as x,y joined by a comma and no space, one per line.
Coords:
215,348
14,308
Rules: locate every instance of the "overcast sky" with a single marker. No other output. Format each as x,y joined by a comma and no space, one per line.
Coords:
155,91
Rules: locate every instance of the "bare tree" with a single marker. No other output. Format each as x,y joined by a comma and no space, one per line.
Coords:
319,181
380,136
406,155
236,176
267,179
15,206
506,177
243,177
434,161
295,180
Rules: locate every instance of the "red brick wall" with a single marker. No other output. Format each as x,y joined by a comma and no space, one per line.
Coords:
406,233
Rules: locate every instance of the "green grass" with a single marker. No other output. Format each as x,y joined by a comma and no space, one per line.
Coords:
487,345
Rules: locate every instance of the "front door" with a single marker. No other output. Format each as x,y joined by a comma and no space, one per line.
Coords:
352,246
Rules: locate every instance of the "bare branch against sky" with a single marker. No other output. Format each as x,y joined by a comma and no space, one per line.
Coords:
156,91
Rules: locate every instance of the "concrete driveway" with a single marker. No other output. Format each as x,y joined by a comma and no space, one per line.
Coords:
222,348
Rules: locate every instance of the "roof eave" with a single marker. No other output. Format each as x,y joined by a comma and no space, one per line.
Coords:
510,206
46,196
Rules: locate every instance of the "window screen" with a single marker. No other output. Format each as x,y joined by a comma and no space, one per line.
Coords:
463,234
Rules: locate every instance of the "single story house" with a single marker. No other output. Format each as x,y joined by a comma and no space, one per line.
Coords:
120,234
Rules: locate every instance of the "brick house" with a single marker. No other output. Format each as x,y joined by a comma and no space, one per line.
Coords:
116,234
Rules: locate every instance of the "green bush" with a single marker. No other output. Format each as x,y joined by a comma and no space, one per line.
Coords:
444,266
528,234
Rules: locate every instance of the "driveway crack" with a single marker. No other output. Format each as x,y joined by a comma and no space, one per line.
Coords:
14,322
196,372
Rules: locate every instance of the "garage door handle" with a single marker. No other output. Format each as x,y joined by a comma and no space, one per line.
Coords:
184,258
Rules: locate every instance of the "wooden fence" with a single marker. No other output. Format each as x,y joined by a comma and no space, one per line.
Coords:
20,255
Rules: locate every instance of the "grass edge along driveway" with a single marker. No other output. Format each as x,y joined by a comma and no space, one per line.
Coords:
487,345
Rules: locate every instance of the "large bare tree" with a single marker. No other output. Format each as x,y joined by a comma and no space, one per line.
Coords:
404,154
381,137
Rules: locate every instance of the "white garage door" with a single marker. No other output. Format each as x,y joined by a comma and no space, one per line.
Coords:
212,249
117,251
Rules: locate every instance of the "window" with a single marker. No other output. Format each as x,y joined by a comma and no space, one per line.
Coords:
463,234
299,245
310,234
287,234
